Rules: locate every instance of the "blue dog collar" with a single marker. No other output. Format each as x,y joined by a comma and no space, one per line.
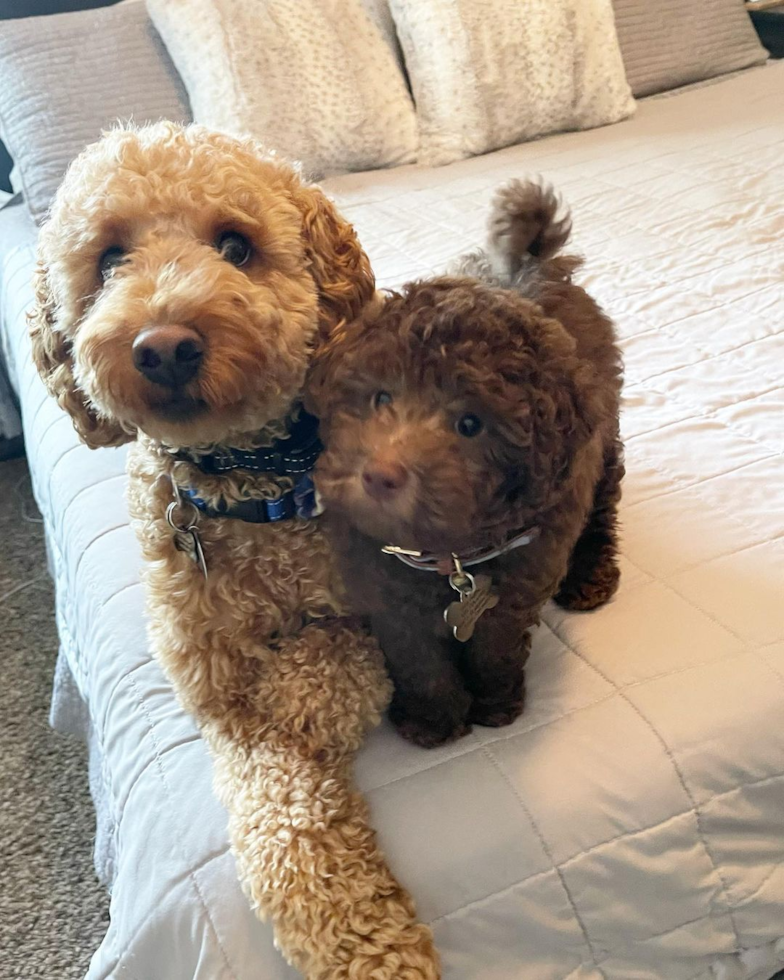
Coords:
301,500
292,457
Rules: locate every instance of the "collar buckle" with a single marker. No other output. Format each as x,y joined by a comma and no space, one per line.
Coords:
392,549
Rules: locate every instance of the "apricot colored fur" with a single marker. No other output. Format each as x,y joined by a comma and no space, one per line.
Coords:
283,686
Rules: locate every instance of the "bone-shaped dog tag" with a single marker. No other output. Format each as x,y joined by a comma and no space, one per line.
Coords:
475,599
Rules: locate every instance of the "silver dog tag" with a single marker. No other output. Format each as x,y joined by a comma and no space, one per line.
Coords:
476,597
186,536
188,540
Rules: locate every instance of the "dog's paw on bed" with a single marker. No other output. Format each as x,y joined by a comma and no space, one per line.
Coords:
582,594
427,733
495,714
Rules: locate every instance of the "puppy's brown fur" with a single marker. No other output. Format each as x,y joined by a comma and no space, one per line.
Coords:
543,376
283,688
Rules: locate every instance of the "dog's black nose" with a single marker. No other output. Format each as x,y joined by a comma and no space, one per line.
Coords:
169,355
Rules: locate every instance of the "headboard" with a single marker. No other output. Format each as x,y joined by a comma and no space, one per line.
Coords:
10,9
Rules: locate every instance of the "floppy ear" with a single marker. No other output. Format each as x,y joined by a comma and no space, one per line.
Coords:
338,264
338,361
52,357
319,390
562,407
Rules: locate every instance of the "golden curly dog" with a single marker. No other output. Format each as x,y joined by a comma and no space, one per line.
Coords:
184,280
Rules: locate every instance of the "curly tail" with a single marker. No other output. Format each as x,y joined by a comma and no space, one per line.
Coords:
528,221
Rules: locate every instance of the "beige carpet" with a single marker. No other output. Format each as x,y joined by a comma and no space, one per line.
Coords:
53,912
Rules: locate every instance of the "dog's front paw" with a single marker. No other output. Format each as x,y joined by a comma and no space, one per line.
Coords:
427,732
431,721
495,714
424,735
592,592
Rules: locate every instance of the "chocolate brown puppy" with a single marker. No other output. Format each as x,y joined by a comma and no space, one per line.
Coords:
472,466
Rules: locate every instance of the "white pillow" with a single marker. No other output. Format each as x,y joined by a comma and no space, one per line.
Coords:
489,74
314,80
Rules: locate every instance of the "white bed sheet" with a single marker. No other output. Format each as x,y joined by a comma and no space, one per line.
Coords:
630,826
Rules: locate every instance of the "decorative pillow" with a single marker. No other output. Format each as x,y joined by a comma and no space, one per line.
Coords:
314,80
673,42
381,15
488,74
66,77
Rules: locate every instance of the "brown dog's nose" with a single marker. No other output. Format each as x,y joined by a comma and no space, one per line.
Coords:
383,480
169,355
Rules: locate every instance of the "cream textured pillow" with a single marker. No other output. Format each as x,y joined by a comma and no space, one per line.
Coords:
488,74
314,80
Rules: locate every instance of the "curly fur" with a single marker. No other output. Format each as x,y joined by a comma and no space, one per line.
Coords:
283,686
544,378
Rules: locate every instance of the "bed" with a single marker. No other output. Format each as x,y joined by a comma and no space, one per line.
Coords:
10,423
630,826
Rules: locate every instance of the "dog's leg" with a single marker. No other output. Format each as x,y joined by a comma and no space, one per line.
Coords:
305,850
283,724
430,704
593,574
494,661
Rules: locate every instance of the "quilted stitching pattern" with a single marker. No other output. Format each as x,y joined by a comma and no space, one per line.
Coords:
629,825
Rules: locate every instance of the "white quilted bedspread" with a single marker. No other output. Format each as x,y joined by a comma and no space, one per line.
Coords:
630,826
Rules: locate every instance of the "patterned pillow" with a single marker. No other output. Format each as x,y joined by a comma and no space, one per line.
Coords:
673,42
66,77
489,74
314,80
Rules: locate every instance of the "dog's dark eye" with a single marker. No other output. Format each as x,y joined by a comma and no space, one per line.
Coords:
469,425
234,247
109,260
381,398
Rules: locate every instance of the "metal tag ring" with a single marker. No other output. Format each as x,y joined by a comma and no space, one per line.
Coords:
462,582
170,516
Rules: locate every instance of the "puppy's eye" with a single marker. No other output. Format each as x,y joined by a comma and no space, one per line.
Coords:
109,260
381,398
234,248
469,425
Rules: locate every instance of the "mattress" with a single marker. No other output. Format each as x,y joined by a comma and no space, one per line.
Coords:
10,423
630,825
